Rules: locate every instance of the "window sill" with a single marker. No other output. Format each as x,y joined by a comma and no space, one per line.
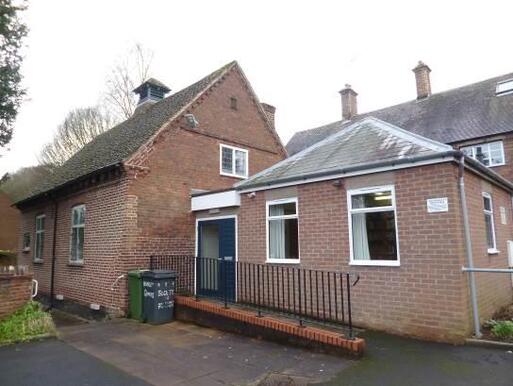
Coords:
234,176
493,251
25,250
75,264
493,166
282,261
38,261
376,263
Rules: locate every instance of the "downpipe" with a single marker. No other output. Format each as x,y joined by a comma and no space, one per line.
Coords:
468,247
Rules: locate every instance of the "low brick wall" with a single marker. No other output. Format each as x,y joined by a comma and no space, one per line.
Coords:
236,320
15,291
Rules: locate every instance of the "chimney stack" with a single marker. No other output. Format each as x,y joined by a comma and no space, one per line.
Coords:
349,105
422,80
269,111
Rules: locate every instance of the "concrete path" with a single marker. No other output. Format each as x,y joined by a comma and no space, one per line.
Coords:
185,354
394,361
55,363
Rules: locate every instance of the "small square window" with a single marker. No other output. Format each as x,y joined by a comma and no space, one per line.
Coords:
234,161
489,154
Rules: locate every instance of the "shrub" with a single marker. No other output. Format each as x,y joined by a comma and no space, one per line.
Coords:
25,324
503,329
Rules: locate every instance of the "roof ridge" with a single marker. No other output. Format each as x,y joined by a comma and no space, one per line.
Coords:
380,124
381,109
124,140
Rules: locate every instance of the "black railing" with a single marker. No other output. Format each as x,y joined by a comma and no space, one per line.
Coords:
307,294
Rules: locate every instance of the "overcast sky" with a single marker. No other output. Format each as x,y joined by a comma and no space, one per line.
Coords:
296,54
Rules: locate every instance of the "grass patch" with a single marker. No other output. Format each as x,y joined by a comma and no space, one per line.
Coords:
503,329
25,324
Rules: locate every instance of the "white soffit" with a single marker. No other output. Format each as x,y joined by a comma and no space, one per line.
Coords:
215,200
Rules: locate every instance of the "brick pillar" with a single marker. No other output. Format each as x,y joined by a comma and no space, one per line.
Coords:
15,291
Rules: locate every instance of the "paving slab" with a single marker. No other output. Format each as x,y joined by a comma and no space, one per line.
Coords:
179,353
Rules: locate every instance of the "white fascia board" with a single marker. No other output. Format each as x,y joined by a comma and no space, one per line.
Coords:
215,200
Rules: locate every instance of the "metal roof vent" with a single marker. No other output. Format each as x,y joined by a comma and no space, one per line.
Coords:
504,87
192,122
151,91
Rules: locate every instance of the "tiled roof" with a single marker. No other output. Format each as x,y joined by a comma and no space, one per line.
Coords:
120,142
472,111
367,142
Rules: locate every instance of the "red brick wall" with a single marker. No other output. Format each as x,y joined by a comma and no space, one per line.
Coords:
494,290
105,224
427,296
148,211
15,291
9,223
183,159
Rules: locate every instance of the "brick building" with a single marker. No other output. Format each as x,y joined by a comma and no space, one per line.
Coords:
386,203
9,223
476,118
126,194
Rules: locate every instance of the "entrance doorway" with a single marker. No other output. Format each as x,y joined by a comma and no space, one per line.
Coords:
215,267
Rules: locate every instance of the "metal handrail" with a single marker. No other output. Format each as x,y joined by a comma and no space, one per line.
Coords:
306,294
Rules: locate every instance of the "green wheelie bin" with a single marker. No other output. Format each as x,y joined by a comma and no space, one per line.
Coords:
135,292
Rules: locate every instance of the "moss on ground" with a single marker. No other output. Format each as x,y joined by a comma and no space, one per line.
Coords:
27,323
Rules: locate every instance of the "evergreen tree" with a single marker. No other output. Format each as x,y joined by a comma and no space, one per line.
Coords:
12,31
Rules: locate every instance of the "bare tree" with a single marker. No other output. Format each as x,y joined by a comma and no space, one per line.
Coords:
129,73
78,128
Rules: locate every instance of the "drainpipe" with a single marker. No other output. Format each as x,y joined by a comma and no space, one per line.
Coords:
52,279
468,247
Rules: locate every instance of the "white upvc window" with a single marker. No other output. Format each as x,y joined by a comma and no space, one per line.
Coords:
39,237
233,161
373,237
504,87
282,231
491,242
77,234
489,154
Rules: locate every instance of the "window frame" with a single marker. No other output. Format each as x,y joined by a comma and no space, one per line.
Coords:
506,91
73,226
268,218
350,211
37,258
233,149
487,144
494,250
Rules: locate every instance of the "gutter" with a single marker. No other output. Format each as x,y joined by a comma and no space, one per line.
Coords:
470,164
49,192
352,169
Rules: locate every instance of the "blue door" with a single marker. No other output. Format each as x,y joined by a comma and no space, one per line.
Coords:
215,266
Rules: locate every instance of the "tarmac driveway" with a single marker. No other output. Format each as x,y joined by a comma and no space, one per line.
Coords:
125,352
55,363
185,354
